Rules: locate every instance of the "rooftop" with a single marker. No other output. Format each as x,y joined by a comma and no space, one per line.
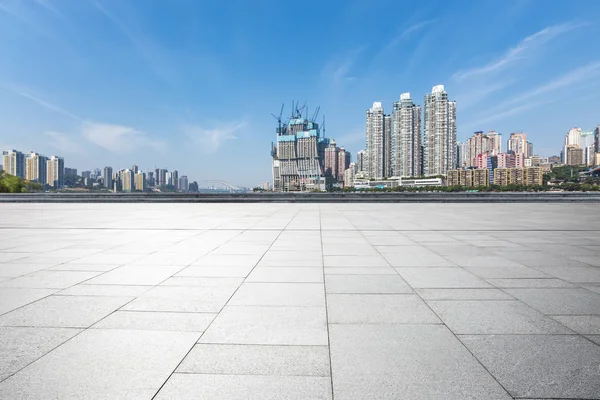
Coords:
299,301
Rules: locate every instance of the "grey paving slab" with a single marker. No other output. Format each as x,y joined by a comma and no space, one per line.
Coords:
378,309
278,258
494,317
201,281
290,274
482,261
530,283
14,270
21,346
257,360
64,311
355,261
506,272
11,298
441,278
84,267
268,325
156,321
104,290
366,284
594,338
135,275
251,387
418,260
574,274
227,260
463,294
360,271
214,272
279,294
50,279
559,301
182,299
540,366
406,361
101,364
583,324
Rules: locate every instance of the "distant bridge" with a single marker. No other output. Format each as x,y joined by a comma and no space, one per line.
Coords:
219,184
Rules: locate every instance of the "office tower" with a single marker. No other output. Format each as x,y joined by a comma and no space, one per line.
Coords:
14,163
55,170
439,132
587,145
35,168
360,161
139,181
495,142
135,169
387,137
126,178
108,177
572,140
405,138
331,160
517,143
86,174
70,173
375,140
183,183
160,177
175,179
150,178
529,151
597,139
343,164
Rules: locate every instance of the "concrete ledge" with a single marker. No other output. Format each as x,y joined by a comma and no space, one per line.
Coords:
517,197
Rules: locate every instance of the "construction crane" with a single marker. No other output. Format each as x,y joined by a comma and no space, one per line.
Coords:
278,118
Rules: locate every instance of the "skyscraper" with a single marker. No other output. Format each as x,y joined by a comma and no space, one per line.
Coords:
572,140
439,132
183,183
331,160
35,168
55,170
405,140
175,179
360,161
139,181
343,164
108,178
375,140
387,137
14,163
127,182
597,139
517,143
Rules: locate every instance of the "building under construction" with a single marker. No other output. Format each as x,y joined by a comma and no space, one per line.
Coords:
299,153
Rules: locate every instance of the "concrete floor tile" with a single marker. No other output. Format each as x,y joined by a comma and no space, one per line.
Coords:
257,360
505,283
214,272
582,324
279,294
559,301
463,294
378,309
135,275
156,321
11,299
366,284
250,387
268,325
289,274
540,366
441,278
50,279
209,299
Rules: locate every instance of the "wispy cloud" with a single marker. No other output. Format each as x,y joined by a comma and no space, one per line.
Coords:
143,45
403,34
50,7
33,96
543,94
119,138
211,139
520,51
64,142
338,70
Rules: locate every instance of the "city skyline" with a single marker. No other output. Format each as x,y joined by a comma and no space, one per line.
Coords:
180,97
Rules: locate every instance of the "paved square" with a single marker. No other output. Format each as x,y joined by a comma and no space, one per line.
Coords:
299,301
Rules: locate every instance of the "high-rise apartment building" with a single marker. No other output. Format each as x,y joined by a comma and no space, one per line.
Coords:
387,135
343,164
405,143
529,151
55,170
349,174
108,178
135,169
517,143
574,155
139,181
572,140
14,163
375,141
360,161
588,146
597,139
506,160
127,181
175,179
184,184
439,132
35,168
481,143
331,160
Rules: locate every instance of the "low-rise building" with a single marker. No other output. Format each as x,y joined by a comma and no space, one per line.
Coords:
481,177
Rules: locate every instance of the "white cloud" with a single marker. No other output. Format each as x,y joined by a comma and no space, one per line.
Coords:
337,70
119,138
210,140
520,51
64,142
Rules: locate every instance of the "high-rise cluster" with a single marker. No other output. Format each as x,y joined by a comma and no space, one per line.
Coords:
35,167
395,145
581,147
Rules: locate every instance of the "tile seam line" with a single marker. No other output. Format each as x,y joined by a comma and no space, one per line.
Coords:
450,330
326,303
222,308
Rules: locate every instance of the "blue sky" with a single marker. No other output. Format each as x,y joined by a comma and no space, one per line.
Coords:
191,85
